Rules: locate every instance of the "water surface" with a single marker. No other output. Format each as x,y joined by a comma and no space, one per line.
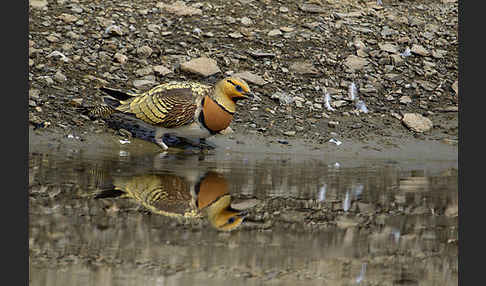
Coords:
311,221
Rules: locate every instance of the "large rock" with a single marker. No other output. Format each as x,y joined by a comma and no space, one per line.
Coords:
38,4
179,8
355,63
250,77
201,66
417,122
304,67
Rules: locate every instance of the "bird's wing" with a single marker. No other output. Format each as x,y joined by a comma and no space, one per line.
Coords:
166,108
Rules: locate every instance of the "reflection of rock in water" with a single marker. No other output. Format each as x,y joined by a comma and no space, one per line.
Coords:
181,196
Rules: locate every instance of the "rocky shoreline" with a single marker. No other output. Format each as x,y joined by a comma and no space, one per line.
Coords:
398,60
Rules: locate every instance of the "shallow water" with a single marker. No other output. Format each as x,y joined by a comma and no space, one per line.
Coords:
311,221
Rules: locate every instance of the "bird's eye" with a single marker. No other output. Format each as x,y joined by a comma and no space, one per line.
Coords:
239,88
231,220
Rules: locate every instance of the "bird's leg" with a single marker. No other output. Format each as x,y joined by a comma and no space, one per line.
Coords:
204,144
160,142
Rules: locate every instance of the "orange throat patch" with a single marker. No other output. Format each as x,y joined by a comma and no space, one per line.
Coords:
216,118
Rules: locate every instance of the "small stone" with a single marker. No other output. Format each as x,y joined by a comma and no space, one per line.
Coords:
283,9
38,4
52,39
338,103
274,32
387,47
202,66
261,54
250,77
304,67
113,30
139,83
455,87
439,54
161,70
144,51
72,35
144,71
121,58
405,99
76,101
235,35
284,98
60,77
355,63
179,8
397,59
246,21
419,50
312,8
32,103
333,124
68,18
286,29
289,133
416,122
34,94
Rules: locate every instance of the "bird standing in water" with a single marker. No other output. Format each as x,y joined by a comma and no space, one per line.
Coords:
190,110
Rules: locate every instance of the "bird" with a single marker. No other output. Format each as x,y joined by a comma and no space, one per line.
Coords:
189,110
181,196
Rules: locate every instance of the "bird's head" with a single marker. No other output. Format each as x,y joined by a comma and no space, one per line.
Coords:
223,217
214,199
231,89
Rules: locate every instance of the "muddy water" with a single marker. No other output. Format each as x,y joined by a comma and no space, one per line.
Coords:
310,221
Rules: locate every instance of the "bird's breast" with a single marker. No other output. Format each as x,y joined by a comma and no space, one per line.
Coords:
215,117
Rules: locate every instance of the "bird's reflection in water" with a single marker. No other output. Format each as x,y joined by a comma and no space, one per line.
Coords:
183,196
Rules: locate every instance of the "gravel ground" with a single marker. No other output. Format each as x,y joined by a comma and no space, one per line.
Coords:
390,70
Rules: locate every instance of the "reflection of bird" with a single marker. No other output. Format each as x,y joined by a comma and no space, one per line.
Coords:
177,196
182,109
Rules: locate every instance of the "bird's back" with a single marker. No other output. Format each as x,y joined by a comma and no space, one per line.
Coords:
167,105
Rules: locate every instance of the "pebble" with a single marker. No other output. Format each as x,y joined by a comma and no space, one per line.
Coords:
304,67
333,124
144,71
179,8
202,66
312,8
34,94
235,35
144,51
38,4
60,77
52,39
251,78
161,70
289,133
419,50
246,21
140,83
455,87
274,32
68,18
284,98
416,122
355,63
121,58
387,47
113,30
283,9
405,99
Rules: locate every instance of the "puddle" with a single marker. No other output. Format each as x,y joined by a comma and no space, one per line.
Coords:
307,220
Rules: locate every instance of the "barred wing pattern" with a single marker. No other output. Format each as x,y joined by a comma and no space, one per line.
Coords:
165,108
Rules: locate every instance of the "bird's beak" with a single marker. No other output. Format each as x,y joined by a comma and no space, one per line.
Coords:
243,213
249,95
